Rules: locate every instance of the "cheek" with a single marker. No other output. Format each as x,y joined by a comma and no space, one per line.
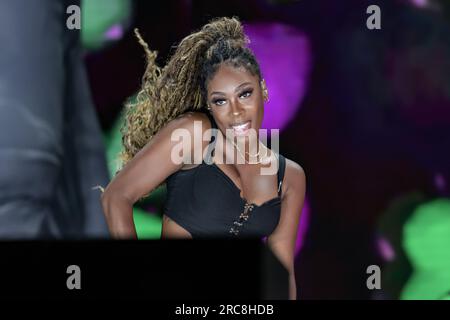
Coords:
259,113
255,101
222,121
259,102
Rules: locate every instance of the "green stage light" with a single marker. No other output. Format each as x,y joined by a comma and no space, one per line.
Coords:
148,225
103,21
426,243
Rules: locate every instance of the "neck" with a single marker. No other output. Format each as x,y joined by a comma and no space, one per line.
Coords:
251,151
240,151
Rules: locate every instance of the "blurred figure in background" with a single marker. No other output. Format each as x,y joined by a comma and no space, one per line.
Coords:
51,149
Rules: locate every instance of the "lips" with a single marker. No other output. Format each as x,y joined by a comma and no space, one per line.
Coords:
241,128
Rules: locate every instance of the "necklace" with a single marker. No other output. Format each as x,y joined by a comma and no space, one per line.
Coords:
262,158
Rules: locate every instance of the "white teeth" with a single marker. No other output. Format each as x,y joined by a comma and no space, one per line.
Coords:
241,126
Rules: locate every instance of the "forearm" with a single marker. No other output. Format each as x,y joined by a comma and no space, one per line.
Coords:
119,217
286,260
292,287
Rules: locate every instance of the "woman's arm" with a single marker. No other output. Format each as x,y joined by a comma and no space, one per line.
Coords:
148,169
282,240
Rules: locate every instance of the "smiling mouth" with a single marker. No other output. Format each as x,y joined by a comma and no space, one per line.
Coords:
241,128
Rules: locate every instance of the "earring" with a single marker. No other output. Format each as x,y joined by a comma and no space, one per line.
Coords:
265,92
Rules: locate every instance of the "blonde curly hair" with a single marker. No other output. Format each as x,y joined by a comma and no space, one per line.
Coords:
180,86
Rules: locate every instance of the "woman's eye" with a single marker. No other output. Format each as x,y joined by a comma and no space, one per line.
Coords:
246,94
219,102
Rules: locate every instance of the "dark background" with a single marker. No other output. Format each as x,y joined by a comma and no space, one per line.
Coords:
373,126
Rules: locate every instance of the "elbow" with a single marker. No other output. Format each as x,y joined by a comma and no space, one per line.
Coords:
110,198
114,192
118,212
105,198
106,203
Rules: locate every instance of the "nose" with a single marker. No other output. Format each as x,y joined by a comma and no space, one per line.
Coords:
236,108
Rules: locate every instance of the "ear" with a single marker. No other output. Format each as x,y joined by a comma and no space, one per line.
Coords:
263,85
264,90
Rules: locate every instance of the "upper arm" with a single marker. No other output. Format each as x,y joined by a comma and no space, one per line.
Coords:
282,240
154,163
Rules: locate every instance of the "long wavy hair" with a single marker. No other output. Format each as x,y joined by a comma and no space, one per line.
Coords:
180,86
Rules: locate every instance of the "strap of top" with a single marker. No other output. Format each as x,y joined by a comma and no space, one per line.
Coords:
280,174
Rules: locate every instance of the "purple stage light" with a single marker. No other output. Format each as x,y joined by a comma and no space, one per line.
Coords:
385,249
439,182
303,227
115,32
420,3
285,59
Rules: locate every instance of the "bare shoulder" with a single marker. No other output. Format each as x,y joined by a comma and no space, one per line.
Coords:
193,122
188,119
193,126
294,177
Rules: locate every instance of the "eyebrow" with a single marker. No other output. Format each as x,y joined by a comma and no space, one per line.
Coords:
237,88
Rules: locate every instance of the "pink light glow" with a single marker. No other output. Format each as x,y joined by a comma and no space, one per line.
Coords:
420,3
285,60
439,182
385,248
115,32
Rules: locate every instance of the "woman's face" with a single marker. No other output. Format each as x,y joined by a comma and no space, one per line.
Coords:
236,100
